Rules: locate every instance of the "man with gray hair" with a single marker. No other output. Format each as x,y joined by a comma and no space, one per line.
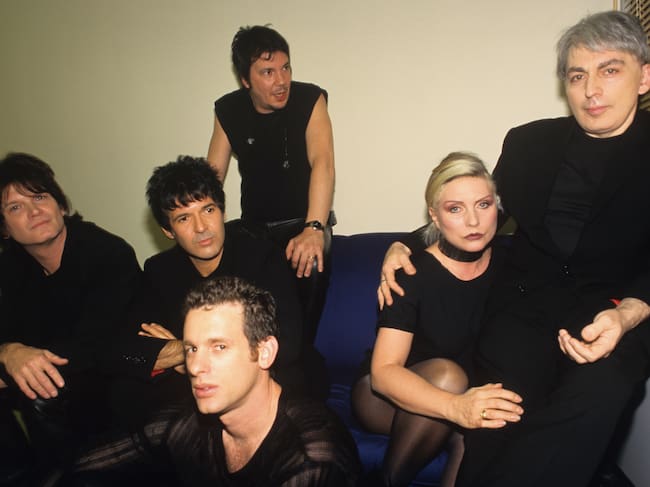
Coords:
579,273
566,322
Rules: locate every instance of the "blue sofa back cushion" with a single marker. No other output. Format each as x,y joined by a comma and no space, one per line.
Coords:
347,331
347,326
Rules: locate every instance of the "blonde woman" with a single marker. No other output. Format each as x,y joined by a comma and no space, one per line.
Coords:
416,388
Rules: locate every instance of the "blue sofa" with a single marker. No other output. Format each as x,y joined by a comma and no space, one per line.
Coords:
347,330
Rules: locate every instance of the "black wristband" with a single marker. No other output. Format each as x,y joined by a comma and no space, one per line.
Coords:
315,224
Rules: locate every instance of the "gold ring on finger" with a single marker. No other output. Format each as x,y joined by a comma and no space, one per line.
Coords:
484,414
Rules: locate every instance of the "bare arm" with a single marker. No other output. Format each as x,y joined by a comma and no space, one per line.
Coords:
599,338
412,393
219,151
33,369
320,152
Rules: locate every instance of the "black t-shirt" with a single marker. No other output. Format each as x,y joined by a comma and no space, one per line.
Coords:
272,152
307,446
443,312
578,180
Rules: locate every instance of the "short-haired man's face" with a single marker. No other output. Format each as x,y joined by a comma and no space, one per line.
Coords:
602,89
31,219
198,228
269,82
218,358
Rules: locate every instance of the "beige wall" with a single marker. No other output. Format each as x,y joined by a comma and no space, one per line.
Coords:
106,90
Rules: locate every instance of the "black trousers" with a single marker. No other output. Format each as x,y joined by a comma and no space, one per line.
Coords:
571,410
312,290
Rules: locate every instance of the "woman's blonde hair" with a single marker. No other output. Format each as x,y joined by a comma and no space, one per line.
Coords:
454,165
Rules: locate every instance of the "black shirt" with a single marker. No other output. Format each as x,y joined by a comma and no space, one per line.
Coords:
271,150
307,446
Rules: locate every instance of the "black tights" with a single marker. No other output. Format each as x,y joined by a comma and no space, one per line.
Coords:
415,440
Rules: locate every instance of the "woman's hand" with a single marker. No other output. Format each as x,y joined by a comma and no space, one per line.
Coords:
488,406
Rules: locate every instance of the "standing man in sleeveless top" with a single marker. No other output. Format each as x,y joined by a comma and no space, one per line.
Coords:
280,132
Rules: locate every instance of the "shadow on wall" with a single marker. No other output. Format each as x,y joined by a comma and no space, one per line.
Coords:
157,238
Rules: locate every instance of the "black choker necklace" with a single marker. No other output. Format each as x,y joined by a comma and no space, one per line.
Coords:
455,253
